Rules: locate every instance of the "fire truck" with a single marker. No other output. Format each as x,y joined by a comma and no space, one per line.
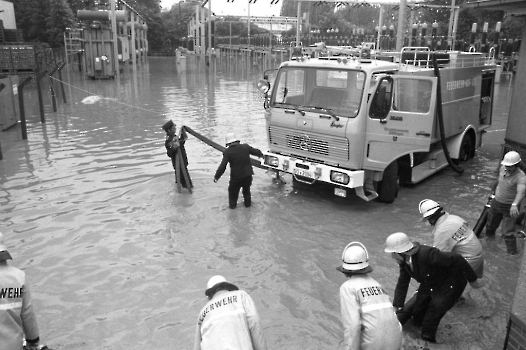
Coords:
373,124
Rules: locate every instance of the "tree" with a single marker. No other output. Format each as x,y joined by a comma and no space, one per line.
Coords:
60,17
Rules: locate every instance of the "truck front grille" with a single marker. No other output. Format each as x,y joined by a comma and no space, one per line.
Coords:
310,144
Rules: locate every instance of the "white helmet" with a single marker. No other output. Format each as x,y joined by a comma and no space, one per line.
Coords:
428,207
215,280
511,158
230,137
355,257
398,242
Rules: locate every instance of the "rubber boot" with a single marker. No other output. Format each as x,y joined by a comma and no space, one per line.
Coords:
511,245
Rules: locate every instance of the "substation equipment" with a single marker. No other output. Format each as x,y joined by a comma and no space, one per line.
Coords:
107,44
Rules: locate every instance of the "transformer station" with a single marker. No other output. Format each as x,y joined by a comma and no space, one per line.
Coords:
108,38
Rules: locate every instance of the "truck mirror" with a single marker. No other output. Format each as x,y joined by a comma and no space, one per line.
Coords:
381,101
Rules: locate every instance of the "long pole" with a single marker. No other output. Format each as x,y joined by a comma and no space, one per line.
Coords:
455,22
298,25
210,28
450,28
380,24
248,25
114,36
401,21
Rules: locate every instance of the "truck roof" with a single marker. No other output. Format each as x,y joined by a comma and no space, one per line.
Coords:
415,61
366,65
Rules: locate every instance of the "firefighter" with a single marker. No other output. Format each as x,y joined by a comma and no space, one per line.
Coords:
509,192
173,145
369,321
17,315
451,233
442,277
229,320
238,155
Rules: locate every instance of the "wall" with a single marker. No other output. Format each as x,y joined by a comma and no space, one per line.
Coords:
8,14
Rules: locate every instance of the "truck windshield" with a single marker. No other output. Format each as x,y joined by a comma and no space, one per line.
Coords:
337,91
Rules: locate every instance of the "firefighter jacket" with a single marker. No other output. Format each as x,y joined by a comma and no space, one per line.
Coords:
368,317
238,155
229,321
17,318
451,233
436,271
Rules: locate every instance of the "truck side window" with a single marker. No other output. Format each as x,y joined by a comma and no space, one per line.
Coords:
413,95
381,103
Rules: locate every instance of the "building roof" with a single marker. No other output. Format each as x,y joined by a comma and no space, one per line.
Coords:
513,7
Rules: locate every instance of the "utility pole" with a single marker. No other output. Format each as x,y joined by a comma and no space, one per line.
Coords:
298,25
401,21
210,29
451,29
114,32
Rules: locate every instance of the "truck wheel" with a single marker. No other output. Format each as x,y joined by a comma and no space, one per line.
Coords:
466,150
388,188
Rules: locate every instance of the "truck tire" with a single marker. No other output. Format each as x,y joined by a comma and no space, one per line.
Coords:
388,188
466,151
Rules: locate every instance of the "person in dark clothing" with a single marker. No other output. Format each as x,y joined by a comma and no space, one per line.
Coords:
173,145
442,277
238,155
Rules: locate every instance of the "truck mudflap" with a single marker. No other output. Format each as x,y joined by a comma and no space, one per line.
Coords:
310,172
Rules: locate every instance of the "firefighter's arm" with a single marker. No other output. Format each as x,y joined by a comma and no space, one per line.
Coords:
514,209
350,318
29,319
255,152
254,324
197,343
401,288
222,167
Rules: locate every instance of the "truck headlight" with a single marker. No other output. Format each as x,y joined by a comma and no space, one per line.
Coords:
271,161
340,178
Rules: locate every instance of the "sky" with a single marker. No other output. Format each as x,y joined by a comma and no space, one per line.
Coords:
237,7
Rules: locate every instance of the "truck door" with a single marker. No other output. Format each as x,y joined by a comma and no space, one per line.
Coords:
400,120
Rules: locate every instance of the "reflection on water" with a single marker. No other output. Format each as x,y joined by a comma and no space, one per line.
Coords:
118,259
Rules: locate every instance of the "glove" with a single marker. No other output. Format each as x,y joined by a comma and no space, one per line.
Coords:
475,284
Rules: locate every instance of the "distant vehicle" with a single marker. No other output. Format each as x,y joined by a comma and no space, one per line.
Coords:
368,45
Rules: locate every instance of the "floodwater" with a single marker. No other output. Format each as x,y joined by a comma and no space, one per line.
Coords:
117,259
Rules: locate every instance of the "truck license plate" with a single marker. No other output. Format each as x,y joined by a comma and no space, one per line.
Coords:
304,173
340,192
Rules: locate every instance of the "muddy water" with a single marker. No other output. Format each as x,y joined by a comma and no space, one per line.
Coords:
118,259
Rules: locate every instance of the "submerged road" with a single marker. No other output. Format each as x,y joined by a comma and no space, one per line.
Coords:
116,258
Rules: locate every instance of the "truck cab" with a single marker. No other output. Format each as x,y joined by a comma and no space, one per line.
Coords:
367,124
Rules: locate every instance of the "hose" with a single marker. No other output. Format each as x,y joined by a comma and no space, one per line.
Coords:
217,146
483,218
456,168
